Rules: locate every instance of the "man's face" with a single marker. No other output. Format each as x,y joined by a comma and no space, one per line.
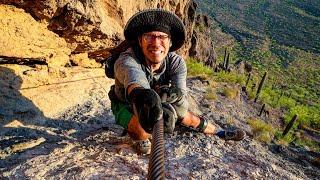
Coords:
155,46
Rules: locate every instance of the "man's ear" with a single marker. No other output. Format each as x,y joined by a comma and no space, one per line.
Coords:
140,41
170,43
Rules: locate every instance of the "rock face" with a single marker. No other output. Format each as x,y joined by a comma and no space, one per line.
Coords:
55,115
22,36
52,37
86,26
201,44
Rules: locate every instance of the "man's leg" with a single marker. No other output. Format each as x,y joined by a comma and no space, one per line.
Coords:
193,121
135,130
131,123
128,121
208,128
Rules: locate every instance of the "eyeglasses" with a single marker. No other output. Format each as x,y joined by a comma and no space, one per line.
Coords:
151,37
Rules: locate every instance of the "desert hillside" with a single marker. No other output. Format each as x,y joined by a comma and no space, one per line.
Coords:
278,37
55,116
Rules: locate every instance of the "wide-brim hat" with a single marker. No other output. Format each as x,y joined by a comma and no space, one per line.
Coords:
156,20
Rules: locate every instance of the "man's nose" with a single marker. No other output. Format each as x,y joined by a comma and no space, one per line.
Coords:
156,40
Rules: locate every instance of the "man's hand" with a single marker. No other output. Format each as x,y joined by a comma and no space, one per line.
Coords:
172,93
170,117
146,106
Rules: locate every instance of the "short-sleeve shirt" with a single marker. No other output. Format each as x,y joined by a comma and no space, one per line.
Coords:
131,70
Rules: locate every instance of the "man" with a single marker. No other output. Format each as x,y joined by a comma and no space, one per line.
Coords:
150,80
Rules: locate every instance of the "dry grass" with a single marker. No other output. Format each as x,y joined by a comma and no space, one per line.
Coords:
261,130
230,93
211,92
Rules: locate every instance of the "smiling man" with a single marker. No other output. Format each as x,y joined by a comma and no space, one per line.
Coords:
148,70
155,46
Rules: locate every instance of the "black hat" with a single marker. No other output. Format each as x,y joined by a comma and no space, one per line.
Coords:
156,20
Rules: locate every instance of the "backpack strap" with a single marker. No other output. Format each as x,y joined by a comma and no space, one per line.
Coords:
111,60
168,68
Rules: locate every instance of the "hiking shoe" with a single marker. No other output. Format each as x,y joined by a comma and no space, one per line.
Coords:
142,146
235,135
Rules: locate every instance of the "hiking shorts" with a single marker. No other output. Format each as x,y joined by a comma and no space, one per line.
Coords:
121,113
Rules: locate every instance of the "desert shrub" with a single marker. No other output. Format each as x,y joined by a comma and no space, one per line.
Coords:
230,77
230,93
306,141
286,140
286,102
211,94
268,96
261,130
198,69
307,115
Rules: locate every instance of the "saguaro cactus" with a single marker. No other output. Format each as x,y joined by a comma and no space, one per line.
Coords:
225,56
248,79
226,66
260,86
262,108
289,125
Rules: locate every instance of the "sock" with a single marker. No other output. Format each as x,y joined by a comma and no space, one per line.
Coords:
221,134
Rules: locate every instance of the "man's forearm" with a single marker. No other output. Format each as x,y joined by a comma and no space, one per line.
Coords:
131,87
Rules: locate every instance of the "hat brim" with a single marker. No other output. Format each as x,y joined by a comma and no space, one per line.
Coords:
156,20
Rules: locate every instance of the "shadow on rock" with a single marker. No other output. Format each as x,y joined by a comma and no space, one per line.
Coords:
23,126
309,160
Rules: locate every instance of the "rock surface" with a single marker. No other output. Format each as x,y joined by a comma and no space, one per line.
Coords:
83,142
55,117
82,26
23,36
202,48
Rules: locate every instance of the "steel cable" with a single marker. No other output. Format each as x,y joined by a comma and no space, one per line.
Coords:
156,161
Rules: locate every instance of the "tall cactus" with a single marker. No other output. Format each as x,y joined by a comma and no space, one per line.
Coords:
248,79
225,56
226,66
289,125
260,86
262,109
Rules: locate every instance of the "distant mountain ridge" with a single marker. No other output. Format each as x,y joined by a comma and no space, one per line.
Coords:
290,22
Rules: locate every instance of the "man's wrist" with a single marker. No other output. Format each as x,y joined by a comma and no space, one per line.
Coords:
130,90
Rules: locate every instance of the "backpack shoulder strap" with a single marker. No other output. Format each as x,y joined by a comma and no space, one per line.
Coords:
111,59
168,67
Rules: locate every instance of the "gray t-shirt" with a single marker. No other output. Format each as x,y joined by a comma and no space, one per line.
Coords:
129,70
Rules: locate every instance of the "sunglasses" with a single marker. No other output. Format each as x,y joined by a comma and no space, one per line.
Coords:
151,37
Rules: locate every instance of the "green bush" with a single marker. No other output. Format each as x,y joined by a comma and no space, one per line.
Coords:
230,93
201,27
232,77
287,139
198,69
308,116
306,141
211,94
286,102
261,130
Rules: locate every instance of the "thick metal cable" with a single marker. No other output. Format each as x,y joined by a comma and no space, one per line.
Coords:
156,160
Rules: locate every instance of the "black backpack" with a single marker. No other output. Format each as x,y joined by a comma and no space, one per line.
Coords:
115,53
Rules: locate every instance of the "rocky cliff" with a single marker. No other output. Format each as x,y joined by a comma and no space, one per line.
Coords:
62,31
55,117
49,42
